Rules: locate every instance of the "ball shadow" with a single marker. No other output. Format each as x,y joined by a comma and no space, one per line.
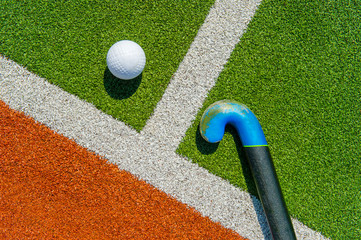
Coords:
119,88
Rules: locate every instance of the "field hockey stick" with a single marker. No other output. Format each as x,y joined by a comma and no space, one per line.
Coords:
212,127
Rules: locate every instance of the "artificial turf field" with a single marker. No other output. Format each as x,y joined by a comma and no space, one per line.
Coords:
297,67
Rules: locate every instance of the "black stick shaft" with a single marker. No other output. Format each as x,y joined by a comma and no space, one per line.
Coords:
270,193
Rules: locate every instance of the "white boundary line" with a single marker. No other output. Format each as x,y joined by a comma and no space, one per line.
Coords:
199,70
146,155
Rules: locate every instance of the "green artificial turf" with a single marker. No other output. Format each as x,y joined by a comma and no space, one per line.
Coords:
298,69
66,42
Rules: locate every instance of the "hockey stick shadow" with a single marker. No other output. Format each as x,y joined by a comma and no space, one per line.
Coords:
207,148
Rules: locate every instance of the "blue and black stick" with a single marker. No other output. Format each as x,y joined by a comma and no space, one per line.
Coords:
212,127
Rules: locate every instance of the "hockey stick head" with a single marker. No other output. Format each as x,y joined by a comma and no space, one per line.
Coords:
219,114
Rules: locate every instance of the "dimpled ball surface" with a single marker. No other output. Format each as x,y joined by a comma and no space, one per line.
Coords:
126,59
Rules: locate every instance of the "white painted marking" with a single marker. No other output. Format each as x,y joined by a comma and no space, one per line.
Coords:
199,70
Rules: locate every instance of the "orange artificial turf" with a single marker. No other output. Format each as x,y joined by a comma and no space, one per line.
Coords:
52,188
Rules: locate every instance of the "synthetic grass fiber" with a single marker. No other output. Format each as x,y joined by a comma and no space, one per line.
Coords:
67,42
52,188
298,69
